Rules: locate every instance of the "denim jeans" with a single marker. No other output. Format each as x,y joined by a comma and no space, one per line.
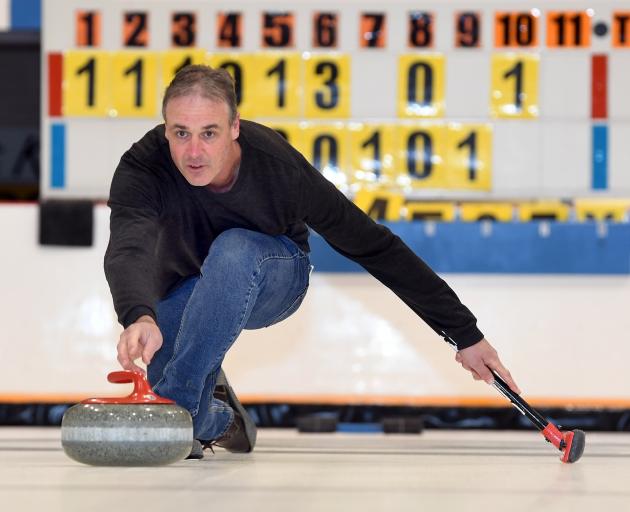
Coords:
248,280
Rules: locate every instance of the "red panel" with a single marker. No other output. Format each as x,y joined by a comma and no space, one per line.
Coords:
55,72
599,87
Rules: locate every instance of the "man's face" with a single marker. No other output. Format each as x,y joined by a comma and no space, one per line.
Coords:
202,140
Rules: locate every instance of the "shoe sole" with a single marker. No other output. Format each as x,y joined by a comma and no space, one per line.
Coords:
233,401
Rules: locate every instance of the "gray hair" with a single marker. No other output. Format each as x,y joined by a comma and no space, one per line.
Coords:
213,84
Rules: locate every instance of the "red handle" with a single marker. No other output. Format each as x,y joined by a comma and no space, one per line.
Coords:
141,394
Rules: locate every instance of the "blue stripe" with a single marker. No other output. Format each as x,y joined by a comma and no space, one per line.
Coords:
58,156
26,14
600,157
516,248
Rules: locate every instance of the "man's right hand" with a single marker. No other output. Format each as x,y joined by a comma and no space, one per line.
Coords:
141,339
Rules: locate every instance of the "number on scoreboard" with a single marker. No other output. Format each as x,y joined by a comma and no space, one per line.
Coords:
325,29
514,90
467,30
373,30
88,28
277,29
516,29
568,29
136,29
421,85
327,86
420,29
229,30
183,29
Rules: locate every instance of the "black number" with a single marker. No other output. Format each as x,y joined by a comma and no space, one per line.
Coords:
234,68
427,153
519,29
468,29
137,69
373,36
88,18
229,34
375,142
186,62
517,73
473,165
276,30
140,20
280,70
330,68
325,30
184,30
427,86
318,145
90,69
420,29
561,20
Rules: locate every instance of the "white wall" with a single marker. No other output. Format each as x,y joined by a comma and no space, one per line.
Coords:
562,336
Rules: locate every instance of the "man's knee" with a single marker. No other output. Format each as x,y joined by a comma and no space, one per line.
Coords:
235,249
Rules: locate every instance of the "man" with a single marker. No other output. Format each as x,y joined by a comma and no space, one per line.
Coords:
209,236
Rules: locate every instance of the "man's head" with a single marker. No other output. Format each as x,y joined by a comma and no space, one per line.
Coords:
202,125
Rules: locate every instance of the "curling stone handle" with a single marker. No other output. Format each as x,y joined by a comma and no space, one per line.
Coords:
141,389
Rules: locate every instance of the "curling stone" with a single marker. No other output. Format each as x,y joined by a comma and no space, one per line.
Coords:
142,429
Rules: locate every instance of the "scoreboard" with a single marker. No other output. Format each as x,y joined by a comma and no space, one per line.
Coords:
452,99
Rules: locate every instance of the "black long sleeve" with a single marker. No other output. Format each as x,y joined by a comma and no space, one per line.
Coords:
162,227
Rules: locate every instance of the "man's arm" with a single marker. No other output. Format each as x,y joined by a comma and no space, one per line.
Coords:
355,235
130,266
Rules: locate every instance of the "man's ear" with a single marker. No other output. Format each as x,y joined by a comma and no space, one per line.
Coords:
236,126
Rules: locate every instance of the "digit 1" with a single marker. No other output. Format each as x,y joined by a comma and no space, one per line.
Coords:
375,142
88,18
517,72
280,69
505,21
471,142
137,69
560,22
89,68
186,62
577,32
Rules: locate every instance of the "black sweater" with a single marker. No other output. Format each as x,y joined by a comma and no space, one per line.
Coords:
162,227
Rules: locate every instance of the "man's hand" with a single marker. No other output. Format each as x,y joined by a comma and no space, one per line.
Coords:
480,359
141,339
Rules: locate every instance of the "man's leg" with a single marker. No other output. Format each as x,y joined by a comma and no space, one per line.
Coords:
247,280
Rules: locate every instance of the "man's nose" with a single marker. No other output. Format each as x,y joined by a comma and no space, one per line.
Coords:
194,147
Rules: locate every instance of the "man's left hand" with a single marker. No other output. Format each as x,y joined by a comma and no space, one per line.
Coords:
480,359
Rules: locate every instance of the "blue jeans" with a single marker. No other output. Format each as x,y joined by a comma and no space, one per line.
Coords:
248,280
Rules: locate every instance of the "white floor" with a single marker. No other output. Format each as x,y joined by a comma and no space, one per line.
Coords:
438,470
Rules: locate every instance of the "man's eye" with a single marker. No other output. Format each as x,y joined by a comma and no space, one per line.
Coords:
180,133
208,134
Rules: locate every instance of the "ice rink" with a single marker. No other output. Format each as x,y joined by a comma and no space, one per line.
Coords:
437,470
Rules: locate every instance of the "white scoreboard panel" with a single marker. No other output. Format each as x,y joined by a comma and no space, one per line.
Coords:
455,100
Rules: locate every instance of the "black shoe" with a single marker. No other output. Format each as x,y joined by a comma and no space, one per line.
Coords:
240,437
196,453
